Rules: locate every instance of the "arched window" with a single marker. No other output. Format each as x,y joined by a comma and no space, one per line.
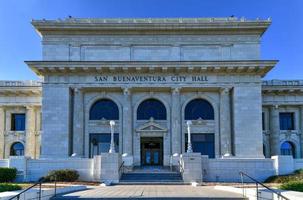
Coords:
151,108
104,108
199,108
287,148
17,149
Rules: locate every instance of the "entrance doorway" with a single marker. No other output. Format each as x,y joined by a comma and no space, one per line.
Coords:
151,151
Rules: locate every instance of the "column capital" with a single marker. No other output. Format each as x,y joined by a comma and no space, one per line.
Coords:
224,90
30,107
77,89
274,107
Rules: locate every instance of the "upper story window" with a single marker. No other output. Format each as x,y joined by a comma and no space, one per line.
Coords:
199,108
104,109
287,121
18,122
151,108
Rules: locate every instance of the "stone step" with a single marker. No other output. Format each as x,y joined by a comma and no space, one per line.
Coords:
151,178
152,198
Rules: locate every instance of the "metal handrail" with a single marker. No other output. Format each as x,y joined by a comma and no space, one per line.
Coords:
180,166
40,181
121,166
259,183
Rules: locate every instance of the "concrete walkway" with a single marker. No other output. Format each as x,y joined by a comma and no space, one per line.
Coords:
151,192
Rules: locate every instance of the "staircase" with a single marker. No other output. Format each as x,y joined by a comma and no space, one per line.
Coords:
147,176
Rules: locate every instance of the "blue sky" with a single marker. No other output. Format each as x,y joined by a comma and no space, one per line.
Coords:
19,41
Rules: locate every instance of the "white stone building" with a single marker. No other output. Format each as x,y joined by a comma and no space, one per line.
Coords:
151,76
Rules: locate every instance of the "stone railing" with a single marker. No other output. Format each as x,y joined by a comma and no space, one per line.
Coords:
29,83
282,83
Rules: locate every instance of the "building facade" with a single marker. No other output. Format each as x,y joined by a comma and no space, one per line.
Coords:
151,76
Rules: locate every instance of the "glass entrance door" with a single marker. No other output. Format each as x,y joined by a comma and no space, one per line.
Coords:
151,151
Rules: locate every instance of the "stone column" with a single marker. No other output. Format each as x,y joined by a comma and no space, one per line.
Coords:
30,131
78,128
127,123
301,127
176,121
2,128
225,122
274,126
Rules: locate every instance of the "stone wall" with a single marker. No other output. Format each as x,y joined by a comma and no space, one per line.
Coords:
247,124
39,168
298,164
151,47
4,162
213,170
56,121
227,170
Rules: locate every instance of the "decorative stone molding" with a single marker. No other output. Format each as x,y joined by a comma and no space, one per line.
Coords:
176,90
151,127
229,25
260,67
126,91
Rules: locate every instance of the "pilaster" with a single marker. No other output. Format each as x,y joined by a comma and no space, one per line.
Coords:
2,128
127,123
176,121
274,125
78,128
225,122
30,132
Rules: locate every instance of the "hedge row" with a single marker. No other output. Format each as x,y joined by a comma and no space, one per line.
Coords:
67,175
9,187
296,176
7,174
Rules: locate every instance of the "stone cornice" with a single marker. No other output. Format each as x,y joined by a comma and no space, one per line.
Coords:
247,67
21,91
230,25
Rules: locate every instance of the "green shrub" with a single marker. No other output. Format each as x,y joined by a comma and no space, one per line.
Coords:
299,171
9,187
296,176
67,175
7,174
293,185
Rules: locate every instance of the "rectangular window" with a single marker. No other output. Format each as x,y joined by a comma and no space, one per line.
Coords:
18,122
203,143
287,121
263,121
100,143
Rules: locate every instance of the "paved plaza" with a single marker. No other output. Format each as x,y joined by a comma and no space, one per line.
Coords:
151,192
